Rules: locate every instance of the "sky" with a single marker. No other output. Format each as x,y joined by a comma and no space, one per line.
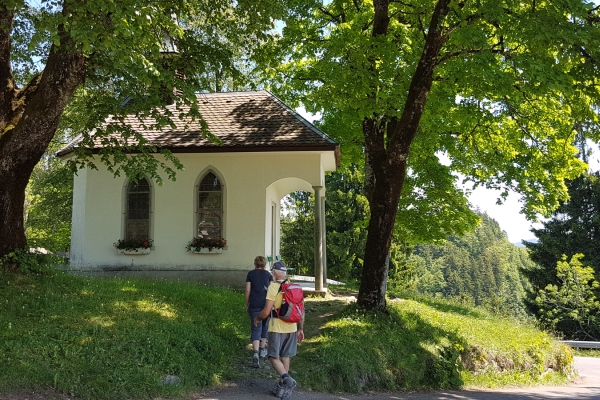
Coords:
508,214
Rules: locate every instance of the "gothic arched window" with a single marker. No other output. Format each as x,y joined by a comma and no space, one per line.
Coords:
209,213
137,214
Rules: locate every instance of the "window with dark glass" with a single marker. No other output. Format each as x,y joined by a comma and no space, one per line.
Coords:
210,207
137,218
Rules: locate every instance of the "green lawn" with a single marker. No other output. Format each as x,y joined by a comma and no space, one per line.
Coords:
118,338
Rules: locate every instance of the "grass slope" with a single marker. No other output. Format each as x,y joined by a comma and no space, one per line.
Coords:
116,338
429,344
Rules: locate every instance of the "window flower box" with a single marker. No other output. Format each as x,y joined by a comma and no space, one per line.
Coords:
202,245
136,251
133,246
207,251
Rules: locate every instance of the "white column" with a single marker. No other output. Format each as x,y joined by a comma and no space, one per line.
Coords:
324,234
318,240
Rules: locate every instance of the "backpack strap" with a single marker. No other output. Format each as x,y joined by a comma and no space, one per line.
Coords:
286,280
274,310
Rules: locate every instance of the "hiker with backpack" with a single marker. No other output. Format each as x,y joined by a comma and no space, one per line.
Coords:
257,283
285,304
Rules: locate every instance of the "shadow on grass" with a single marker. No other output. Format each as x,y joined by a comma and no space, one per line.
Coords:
350,350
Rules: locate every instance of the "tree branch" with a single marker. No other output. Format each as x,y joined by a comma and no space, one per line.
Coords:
6,77
341,18
381,19
585,54
422,78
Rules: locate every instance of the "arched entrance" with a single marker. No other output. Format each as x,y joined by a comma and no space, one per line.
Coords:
275,192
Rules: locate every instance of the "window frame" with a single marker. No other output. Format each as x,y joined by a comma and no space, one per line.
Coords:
126,201
201,176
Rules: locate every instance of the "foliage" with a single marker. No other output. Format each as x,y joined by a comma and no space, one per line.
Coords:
495,87
587,353
571,307
29,261
479,268
574,228
345,211
50,201
298,232
215,43
197,244
346,218
427,343
99,59
133,244
116,338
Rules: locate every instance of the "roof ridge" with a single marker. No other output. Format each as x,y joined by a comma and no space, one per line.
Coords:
234,93
301,118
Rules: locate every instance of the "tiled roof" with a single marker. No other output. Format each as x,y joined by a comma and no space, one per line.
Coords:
243,121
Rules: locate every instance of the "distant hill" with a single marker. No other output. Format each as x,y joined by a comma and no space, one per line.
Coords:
520,244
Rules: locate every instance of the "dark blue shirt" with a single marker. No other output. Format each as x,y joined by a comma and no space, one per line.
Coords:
259,283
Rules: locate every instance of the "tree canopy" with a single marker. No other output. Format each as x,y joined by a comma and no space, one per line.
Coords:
115,58
498,87
571,306
573,229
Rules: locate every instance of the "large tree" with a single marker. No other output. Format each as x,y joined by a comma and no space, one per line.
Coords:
497,86
108,53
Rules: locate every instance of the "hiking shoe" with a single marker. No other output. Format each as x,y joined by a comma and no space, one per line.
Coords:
255,363
289,384
263,353
278,389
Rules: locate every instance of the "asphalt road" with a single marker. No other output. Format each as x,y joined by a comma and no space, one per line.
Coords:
586,387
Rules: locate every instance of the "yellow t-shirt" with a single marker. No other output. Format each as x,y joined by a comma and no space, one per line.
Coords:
275,324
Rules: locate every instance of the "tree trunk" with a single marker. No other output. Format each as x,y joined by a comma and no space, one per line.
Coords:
27,125
384,205
387,144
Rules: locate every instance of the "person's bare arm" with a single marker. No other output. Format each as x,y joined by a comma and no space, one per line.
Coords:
301,329
248,288
265,312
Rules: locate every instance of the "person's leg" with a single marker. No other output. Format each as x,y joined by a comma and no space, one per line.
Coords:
263,338
278,365
288,350
255,331
255,336
286,363
275,343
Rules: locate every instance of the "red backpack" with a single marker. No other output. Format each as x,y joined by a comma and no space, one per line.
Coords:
292,302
